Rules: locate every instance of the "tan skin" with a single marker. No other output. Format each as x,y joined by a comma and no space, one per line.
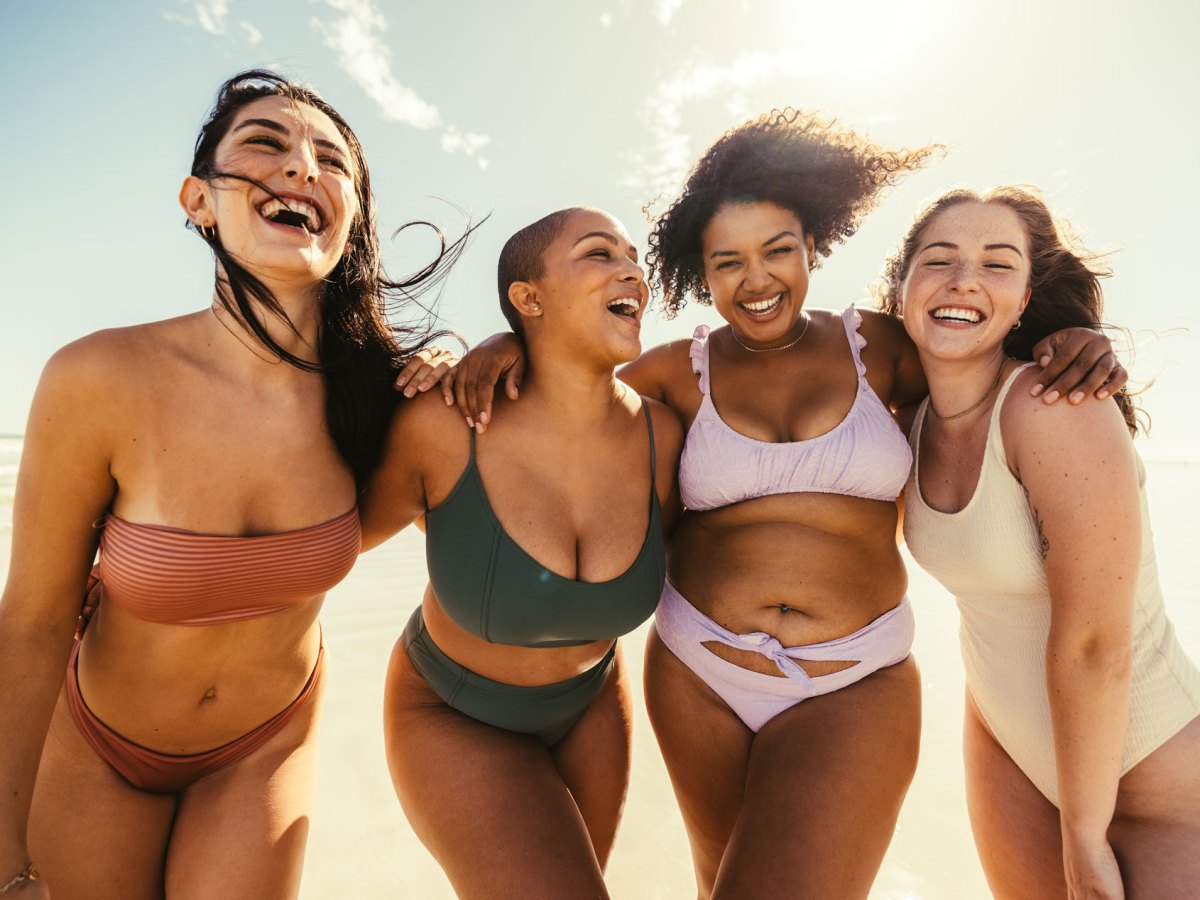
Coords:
1112,835
831,560
567,474
187,423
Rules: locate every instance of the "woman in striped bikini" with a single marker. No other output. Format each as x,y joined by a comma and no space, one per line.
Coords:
179,757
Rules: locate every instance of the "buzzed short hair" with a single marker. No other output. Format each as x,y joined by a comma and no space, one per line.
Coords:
522,258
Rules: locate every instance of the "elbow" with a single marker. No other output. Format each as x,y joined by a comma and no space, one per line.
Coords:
1105,658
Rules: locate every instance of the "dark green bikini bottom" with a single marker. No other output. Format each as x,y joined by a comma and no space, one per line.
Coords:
546,711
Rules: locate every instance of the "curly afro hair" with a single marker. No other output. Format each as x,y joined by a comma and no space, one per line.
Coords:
829,177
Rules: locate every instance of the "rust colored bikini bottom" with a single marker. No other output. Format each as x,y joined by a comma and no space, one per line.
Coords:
166,773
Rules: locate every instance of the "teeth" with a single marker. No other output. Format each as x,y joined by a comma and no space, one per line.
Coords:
272,209
624,306
954,314
763,305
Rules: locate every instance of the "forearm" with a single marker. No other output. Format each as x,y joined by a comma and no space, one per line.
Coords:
34,656
1088,685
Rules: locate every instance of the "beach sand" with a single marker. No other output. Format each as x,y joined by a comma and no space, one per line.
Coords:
361,847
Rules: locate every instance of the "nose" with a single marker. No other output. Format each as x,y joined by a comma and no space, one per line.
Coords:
756,278
633,272
964,278
301,162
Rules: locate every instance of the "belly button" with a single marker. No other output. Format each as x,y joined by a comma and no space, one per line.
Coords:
210,694
783,607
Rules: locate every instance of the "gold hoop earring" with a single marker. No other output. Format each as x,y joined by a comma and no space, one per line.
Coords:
1016,325
208,232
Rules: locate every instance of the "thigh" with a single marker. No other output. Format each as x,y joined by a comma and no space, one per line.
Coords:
1156,830
94,836
594,757
241,830
1016,828
706,748
489,804
823,791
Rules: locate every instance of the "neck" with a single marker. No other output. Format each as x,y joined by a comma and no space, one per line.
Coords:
963,390
299,303
574,392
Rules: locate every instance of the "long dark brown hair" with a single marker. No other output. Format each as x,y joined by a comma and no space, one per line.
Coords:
360,350
1064,278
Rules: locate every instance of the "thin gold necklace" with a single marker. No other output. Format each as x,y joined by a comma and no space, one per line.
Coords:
978,403
793,343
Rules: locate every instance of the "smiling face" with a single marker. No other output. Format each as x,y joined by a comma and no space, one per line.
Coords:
967,282
757,260
296,152
591,292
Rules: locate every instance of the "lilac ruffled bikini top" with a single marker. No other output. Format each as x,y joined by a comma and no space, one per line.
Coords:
865,455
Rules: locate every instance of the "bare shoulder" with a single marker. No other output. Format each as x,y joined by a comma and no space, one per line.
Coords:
659,371
887,332
1070,433
425,420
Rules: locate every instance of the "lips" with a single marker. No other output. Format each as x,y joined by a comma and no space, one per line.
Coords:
625,307
763,306
961,315
301,213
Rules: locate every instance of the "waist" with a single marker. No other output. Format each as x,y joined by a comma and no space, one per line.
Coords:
184,690
508,663
743,573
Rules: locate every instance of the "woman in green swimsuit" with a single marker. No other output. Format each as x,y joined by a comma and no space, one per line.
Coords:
507,710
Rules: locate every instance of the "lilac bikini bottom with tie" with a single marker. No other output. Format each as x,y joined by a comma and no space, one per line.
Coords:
757,698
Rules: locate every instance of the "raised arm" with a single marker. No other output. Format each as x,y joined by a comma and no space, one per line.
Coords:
1080,473
63,487
1075,363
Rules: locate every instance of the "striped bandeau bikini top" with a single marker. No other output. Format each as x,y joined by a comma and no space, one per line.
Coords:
172,576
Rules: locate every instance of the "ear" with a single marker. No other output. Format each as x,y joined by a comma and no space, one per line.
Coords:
523,296
196,199
1025,302
811,247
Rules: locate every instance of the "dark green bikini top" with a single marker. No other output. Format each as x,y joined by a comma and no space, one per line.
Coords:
493,589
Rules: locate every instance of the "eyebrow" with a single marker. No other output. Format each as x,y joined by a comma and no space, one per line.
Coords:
606,236
765,243
950,246
272,125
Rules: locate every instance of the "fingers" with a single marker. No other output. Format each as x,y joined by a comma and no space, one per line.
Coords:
1077,362
447,383
1082,376
512,381
427,367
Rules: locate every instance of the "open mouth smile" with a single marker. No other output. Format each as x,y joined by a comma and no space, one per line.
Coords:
626,308
292,212
961,315
762,307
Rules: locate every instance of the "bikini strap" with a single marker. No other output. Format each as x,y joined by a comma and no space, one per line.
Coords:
852,321
698,352
653,455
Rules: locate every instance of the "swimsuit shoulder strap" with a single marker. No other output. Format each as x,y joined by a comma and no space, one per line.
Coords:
699,356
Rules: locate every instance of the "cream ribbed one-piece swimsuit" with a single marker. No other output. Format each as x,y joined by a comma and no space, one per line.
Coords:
987,555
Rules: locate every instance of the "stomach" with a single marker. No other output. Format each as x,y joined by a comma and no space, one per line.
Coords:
184,689
832,561
507,663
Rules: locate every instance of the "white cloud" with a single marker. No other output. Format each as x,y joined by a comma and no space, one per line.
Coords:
356,35
253,35
363,55
455,141
212,16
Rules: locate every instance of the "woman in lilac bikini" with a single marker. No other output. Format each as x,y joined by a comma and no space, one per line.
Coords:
778,677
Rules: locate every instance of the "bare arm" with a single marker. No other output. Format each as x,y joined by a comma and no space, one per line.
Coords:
1076,363
1080,472
395,496
63,487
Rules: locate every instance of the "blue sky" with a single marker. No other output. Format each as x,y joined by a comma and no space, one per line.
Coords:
519,108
